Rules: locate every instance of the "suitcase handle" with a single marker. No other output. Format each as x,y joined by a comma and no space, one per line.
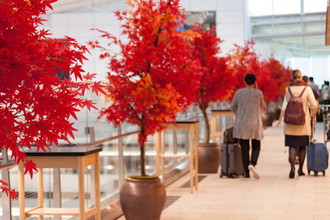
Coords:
227,161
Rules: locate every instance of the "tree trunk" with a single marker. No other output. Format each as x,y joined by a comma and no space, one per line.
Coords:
142,160
142,151
207,123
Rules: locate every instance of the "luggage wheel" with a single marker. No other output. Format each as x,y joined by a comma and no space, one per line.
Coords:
221,175
309,172
323,172
315,173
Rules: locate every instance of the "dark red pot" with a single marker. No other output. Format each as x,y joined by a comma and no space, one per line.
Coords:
208,158
142,199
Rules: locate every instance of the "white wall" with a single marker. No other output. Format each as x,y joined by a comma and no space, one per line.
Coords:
232,23
78,26
231,18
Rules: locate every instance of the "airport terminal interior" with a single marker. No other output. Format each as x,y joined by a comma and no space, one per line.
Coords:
293,32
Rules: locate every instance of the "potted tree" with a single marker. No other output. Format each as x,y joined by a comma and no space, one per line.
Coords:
147,87
242,60
215,84
37,101
272,76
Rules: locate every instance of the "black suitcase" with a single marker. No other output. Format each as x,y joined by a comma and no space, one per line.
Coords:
231,160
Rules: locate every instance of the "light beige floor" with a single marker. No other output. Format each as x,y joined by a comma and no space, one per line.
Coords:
273,196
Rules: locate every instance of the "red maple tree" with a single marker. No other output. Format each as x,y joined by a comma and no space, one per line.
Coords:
272,76
242,60
41,82
217,80
153,77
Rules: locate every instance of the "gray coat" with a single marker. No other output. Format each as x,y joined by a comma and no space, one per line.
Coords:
247,104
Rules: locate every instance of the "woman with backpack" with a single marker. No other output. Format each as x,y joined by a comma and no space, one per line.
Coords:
298,108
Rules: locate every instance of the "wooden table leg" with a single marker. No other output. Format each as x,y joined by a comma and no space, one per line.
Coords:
213,128
81,183
97,188
41,190
21,191
196,156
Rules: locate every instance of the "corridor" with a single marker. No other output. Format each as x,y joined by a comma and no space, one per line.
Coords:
273,197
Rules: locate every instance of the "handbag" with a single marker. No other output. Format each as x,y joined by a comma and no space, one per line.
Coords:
228,136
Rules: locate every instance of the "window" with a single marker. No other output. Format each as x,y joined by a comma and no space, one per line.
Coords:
279,7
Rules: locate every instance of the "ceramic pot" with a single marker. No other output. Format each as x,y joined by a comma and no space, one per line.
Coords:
208,158
267,119
142,199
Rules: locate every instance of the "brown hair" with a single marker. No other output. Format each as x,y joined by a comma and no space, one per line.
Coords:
296,74
306,79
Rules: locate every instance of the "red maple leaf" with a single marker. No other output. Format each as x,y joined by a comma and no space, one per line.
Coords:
89,76
29,167
41,81
97,88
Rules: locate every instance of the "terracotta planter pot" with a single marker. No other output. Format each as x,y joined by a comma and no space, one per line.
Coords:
208,158
142,199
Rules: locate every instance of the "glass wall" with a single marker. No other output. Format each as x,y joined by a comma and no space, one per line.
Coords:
119,158
316,66
296,40
280,7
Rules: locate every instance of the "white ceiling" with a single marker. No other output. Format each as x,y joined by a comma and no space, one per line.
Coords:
287,35
62,6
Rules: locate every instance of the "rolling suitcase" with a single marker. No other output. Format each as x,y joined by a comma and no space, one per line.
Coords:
317,158
231,160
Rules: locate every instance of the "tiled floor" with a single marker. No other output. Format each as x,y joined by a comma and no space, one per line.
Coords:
273,196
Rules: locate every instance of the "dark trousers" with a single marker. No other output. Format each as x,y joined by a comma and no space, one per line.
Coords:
245,148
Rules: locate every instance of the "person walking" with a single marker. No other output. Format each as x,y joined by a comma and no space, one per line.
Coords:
315,90
248,128
325,93
298,135
314,86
